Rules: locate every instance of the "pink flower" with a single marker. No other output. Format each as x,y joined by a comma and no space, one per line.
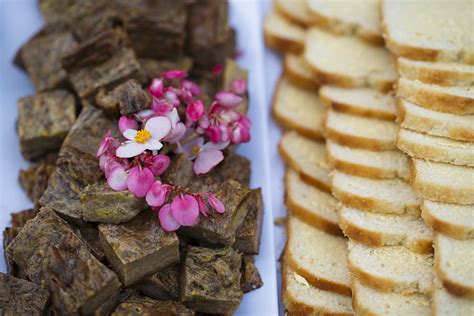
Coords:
157,194
185,210
205,156
217,69
216,203
156,88
191,87
214,133
125,123
158,164
203,209
195,110
161,106
118,178
104,145
174,74
139,181
239,86
145,139
228,99
167,221
177,128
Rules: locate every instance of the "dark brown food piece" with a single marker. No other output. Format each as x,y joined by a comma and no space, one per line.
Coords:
138,306
42,174
163,285
89,233
128,98
12,268
180,171
219,228
77,165
26,177
210,280
139,247
41,57
248,234
233,72
152,68
34,179
49,251
19,219
251,279
44,121
234,167
21,297
102,204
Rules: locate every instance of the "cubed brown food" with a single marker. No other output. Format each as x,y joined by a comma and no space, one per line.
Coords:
21,297
42,174
26,177
19,219
163,285
102,204
34,179
138,248
52,255
210,280
219,228
137,306
247,239
41,57
180,171
9,233
89,233
55,11
234,167
152,68
127,98
233,72
44,121
251,279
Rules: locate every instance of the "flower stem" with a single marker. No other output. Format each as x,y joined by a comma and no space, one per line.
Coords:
170,147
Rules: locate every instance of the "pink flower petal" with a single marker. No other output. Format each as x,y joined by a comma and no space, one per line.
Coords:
110,165
104,145
161,106
168,223
195,110
117,179
157,194
240,134
185,210
159,164
206,160
228,99
129,134
130,149
125,123
239,86
140,181
226,133
188,147
174,74
103,160
216,203
217,69
213,132
203,209
204,121
191,87
156,88
172,97
176,134
158,127
145,114
218,146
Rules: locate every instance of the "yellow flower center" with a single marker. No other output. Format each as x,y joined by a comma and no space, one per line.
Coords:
196,150
142,136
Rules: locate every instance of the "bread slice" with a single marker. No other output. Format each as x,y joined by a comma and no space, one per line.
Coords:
360,18
445,303
420,119
318,257
391,268
301,298
430,30
298,108
312,206
348,62
456,100
282,35
360,132
294,10
455,264
360,101
389,196
434,148
442,182
307,157
367,163
297,71
377,230
367,301
453,220
442,74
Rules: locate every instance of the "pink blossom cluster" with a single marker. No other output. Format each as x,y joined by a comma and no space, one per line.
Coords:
150,135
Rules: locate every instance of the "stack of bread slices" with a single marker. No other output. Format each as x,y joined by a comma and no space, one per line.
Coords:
359,187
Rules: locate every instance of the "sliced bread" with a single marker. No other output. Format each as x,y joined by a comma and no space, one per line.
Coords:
301,298
312,206
455,264
298,108
319,257
360,101
360,132
360,18
420,119
390,196
297,71
443,74
456,100
442,182
445,303
282,35
391,268
453,220
367,163
348,62
377,230
294,10
435,148
367,301
307,157
430,30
